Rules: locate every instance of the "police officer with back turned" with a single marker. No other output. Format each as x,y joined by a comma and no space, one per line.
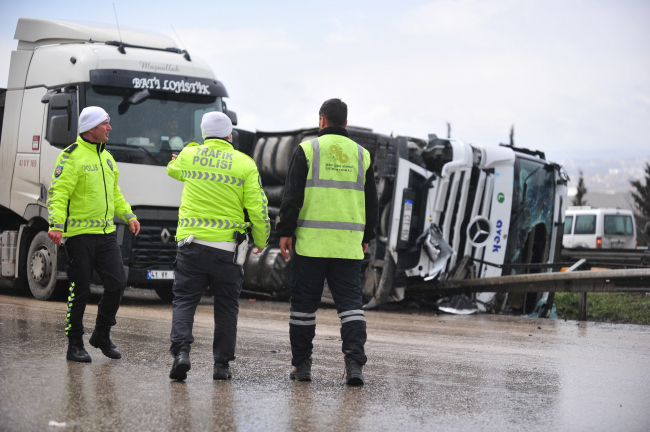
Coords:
83,199
219,183
330,205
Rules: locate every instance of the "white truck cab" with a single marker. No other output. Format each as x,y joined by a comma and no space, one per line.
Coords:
155,94
499,206
599,228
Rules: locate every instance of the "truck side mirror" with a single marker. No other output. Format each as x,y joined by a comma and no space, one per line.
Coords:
60,101
59,132
233,116
59,129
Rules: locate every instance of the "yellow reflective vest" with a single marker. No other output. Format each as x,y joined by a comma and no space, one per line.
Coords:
332,220
219,183
84,195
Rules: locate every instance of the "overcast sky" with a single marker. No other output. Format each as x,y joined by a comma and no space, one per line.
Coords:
572,76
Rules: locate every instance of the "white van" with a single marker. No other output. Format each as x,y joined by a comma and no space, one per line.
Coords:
599,228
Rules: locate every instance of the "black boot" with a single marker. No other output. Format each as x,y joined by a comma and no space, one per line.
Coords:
101,339
221,371
302,372
353,374
76,351
180,366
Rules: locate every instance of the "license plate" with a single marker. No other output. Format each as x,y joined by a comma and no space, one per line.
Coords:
406,220
160,274
618,245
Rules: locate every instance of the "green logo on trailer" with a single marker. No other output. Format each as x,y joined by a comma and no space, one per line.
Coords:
501,197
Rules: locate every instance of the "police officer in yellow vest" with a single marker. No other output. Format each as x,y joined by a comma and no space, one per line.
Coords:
83,198
219,183
330,205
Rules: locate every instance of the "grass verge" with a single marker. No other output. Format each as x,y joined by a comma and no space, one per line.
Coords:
628,308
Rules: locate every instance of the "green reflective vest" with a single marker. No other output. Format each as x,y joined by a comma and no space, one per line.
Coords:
219,183
332,220
84,196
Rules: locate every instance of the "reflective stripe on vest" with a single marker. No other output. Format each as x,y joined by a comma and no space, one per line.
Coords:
316,181
222,223
89,222
222,178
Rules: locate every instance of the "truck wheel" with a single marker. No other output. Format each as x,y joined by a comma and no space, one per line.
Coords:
41,267
165,293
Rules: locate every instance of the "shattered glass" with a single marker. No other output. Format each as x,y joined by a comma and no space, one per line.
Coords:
531,221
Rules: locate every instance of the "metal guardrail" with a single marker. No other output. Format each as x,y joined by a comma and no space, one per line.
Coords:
628,280
608,257
583,282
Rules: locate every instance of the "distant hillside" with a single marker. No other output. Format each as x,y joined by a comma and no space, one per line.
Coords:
607,181
620,199
606,176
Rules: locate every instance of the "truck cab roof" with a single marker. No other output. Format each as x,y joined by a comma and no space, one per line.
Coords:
53,53
34,32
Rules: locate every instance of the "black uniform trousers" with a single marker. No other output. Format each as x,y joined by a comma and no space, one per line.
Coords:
88,252
343,276
197,267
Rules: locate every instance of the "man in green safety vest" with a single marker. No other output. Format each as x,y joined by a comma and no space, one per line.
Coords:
329,210
82,200
219,183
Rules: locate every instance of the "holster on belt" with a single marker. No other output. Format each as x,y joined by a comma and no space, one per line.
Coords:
242,248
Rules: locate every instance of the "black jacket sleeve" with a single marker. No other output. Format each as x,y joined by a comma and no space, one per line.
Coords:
372,206
294,196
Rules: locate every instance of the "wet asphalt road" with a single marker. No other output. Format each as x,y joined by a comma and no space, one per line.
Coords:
425,372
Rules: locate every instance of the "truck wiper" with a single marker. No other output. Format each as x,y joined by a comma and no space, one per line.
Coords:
121,45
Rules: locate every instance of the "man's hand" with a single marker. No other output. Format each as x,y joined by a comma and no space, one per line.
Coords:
55,236
134,226
286,243
257,250
174,156
365,247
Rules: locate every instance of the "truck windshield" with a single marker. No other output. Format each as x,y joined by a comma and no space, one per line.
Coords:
531,221
150,131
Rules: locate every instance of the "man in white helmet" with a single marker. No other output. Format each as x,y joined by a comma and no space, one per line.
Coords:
82,200
220,182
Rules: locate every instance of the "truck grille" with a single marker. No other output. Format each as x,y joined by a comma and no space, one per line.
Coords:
465,198
148,249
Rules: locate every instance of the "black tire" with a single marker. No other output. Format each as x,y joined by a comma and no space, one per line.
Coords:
165,293
41,268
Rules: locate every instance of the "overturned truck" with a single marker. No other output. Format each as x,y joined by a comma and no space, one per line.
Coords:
448,210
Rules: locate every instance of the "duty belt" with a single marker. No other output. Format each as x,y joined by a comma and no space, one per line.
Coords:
223,245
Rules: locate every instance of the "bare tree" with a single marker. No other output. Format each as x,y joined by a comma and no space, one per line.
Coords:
641,196
579,199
